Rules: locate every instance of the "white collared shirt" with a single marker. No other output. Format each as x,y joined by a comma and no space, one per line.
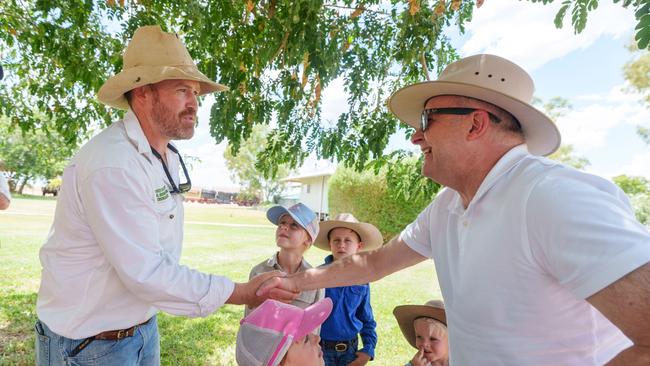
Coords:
111,259
517,264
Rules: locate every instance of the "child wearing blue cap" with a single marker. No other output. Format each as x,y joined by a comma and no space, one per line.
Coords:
297,228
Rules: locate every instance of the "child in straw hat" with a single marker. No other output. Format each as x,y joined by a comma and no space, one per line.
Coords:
425,328
352,315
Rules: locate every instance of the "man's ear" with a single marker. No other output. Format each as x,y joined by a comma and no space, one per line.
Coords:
141,92
480,125
360,245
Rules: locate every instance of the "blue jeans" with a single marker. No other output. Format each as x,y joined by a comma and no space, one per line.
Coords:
142,349
334,358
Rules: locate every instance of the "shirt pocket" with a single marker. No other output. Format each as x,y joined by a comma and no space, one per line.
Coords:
166,207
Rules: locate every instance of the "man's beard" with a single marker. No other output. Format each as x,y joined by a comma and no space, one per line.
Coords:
171,125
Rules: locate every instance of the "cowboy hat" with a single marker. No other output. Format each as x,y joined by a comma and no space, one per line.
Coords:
368,233
153,56
489,78
406,315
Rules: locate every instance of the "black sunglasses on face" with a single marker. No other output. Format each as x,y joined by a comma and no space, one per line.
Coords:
182,187
424,118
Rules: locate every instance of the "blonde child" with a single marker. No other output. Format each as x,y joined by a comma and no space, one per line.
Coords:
425,328
297,227
352,315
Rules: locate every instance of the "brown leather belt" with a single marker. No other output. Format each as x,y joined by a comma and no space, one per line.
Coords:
110,335
113,335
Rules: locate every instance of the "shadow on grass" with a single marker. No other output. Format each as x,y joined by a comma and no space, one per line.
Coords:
17,318
200,341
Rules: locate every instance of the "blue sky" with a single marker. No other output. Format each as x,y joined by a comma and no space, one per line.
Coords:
586,69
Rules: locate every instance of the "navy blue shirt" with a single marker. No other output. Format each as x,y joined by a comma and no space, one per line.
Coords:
351,315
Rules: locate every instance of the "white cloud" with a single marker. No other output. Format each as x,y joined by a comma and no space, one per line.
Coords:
334,101
591,123
525,33
639,165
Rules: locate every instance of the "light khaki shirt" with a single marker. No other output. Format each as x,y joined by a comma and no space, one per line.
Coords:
305,298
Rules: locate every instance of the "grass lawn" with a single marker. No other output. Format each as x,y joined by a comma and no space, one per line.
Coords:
209,246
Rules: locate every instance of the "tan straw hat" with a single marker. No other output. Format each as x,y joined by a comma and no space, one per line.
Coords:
153,56
406,315
489,78
369,234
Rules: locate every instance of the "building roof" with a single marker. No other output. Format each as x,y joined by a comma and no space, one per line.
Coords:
304,177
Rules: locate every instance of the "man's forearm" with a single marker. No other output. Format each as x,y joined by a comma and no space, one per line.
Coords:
348,271
359,268
633,356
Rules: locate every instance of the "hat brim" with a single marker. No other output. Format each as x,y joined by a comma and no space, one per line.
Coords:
541,134
406,314
315,314
368,233
112,92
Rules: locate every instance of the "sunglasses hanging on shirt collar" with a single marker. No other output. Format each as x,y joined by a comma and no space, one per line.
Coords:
182,187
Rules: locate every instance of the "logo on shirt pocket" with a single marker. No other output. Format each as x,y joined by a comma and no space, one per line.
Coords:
162,194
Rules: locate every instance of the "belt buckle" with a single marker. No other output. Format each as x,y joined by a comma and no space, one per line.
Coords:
121,334
340,347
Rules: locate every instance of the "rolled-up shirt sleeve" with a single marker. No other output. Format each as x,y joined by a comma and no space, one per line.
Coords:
121,213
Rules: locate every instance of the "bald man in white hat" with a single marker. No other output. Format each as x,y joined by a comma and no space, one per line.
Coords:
538,263
111,260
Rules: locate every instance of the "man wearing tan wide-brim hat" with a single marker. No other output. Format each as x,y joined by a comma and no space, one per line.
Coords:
538,263
111,261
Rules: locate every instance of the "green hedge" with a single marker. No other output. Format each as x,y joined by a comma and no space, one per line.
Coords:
641,204
368,197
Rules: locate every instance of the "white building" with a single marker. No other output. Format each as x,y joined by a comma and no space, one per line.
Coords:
313,190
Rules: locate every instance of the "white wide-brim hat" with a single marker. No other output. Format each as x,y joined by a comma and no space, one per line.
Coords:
492,79
406,315
368,233
151,57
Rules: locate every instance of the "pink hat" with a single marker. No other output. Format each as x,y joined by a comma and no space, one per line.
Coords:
266,334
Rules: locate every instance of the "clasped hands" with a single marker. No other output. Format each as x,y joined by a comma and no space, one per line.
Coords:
274,285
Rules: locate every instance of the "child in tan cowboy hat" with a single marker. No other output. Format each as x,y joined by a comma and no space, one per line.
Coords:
425,328
352,315
297,228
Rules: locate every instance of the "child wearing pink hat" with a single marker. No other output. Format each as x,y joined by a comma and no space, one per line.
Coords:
278,334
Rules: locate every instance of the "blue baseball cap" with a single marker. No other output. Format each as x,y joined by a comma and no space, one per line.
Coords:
303,215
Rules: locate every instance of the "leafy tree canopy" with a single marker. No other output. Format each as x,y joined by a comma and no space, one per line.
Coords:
38,155
632,185
276,56
637,73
